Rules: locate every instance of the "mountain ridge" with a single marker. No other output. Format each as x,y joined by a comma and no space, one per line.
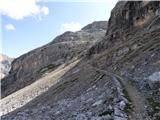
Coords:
63,48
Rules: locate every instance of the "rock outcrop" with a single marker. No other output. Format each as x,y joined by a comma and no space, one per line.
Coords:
127,19
5,65
134,15
154,80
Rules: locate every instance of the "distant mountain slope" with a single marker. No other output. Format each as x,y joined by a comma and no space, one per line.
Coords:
29,67
5,65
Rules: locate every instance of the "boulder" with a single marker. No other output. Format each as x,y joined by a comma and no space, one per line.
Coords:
154,80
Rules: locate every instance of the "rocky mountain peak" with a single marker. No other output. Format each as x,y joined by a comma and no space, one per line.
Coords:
96,26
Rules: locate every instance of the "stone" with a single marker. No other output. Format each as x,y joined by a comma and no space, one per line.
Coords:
158,12
123,51
120,113
90,99
97,103
81,117
135,46
119,118
96,118
122,105
154,80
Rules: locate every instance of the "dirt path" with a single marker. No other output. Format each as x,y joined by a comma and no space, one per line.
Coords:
138,100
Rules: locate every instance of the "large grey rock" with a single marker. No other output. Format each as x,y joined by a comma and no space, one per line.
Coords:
119,118
122,105
97,103
154,80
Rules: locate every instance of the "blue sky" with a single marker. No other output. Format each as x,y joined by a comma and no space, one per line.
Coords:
24,28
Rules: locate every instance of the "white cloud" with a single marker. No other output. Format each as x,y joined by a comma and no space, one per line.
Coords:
10,27
45,10
72,26
19,9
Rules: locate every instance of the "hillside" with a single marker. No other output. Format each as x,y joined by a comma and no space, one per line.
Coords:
48,57
97,73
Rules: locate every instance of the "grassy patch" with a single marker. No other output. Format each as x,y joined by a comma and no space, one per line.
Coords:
126,95
46,68
128,108
51,66
105,113
155,106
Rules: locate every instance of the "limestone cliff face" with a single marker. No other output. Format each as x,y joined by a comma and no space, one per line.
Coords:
30,66
134,14
129,17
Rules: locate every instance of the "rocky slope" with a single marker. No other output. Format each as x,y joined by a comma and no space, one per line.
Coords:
116,78
131,48
5,65
29,67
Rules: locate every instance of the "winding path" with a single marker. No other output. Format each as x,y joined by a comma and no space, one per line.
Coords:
138,100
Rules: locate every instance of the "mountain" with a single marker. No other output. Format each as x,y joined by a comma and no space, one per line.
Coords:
5,64
116,76
29,67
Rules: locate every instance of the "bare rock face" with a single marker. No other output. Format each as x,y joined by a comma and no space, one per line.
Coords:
133,14
129,18
132,37
29,67
5,65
